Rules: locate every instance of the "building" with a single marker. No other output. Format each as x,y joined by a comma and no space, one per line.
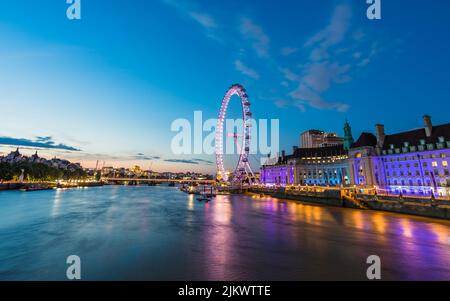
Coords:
414,162
17,157
317,138
363,161
277,173
323,163
323,166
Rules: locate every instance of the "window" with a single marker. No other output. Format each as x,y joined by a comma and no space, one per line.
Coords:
445,163
434,164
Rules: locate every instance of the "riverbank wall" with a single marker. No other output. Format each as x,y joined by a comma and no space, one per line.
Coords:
411,206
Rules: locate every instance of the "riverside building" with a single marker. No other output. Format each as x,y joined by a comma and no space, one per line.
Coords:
322,166
414,162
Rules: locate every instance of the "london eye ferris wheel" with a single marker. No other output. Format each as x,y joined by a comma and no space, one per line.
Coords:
243,171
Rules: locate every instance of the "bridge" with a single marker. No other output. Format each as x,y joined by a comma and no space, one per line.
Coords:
146,180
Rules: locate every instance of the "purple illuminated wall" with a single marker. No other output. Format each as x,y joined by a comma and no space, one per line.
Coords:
418,173
277,175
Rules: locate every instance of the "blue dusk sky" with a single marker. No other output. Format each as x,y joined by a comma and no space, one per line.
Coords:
107,87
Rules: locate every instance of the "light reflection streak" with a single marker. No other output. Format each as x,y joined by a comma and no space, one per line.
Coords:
219,238
56,202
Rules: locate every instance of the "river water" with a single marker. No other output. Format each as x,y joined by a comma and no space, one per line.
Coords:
160,233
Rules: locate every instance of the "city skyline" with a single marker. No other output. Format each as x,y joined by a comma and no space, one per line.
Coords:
107,87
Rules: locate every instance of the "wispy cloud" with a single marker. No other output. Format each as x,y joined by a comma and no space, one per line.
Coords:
318,75
205,20
336,30
189,161
254,33
241,67
143,157
286,51
203,161
39,142
187,9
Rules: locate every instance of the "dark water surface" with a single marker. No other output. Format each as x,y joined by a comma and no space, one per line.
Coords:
160,233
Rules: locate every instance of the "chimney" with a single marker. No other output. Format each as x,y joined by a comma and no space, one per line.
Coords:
428,125
380,135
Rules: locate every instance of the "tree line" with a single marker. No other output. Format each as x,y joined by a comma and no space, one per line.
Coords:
37,172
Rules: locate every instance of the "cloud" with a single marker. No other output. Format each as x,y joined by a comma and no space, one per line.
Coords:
187,9
281,103
40,142
323,69
335,32
286,51
204,19
304,94
143,157
203,161
43,139
255,34
289,75
183,161
189,161
374,50
241,67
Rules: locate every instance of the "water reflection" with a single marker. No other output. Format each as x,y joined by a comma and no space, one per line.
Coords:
157,233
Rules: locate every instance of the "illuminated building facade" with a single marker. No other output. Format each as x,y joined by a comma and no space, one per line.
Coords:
410,163
278,173
324,166
316,165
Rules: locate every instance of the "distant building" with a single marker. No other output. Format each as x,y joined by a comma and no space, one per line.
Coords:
317,138
16,157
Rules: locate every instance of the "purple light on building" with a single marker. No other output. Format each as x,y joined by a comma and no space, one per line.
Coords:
277,175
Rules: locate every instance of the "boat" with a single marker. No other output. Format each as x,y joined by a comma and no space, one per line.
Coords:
35,188
188,189
204,199
208,192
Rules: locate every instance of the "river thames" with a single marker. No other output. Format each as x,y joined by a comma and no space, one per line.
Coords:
160,233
